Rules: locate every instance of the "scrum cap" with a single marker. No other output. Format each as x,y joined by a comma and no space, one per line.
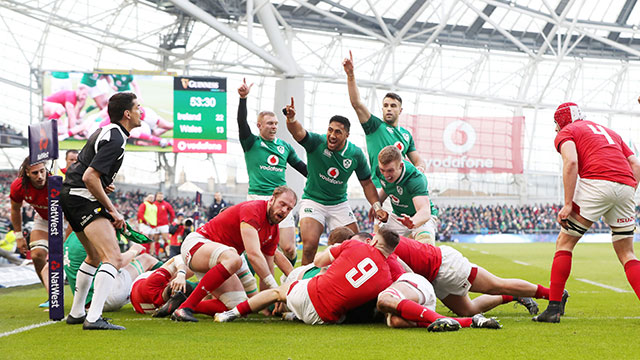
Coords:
567,113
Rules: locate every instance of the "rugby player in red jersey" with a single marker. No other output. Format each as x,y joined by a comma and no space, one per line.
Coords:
31,187
453,276
609,173
212,251
358,273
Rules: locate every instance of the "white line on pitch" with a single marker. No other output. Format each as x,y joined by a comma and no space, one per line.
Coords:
604,286
521,263
484,252
26,328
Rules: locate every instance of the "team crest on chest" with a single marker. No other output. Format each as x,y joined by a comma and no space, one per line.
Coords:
399,189
281,149
406,137
346,163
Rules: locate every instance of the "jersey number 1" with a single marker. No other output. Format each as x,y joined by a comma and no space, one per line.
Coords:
365,274
601,131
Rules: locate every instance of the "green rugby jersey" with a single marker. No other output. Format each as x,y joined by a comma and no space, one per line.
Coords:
90,79
122,82
74,255
401,192
379,134
330,170
266,163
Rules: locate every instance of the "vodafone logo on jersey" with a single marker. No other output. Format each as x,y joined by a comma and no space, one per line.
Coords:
399,145
273,160
333,172
394,199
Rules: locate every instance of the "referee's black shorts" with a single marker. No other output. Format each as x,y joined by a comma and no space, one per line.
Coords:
80,211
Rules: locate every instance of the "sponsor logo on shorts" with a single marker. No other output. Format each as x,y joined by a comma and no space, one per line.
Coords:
624,220
399,145
308,210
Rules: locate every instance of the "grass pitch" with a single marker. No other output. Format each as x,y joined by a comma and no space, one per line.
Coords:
600,322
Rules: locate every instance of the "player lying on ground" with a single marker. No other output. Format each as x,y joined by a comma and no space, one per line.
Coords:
358,273
453,276
74,255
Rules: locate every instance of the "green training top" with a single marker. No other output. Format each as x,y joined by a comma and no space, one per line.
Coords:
380,134
266,163
330,170
401,192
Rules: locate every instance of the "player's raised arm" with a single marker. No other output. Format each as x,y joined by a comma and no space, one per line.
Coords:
295,128
251,241
354,94
243,125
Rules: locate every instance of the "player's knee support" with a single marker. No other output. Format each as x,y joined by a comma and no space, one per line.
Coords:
39,244
232,298
573,228
622,233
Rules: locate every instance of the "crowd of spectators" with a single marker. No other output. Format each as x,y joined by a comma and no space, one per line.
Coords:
501,219
474,219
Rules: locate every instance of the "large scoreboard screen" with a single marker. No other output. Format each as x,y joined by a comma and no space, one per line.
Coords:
179,113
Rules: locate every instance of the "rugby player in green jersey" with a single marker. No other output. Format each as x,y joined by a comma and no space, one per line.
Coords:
267,157
408,190
331,160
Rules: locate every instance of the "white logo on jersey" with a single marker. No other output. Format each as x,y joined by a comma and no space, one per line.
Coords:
327,153
406,137
263,144
400,191
399,145
346,163
272,160
390,130
333,172
394,199
281,149
383,183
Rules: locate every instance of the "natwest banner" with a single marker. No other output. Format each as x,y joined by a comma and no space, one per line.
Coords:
470,144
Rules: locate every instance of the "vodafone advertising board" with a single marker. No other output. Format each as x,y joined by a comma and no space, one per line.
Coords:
470,144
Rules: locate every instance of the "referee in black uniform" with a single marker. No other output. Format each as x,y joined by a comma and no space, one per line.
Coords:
92,215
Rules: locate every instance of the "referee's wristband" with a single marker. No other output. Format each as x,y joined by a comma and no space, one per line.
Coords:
376,206
271,282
